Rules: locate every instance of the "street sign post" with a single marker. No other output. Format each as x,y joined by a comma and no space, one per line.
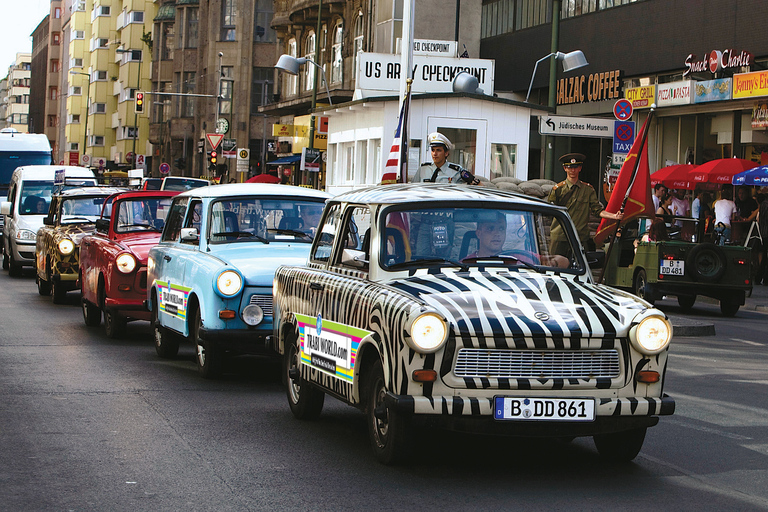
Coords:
622,109
214,139
623,136
310,159
576,126
243,159
165,168
85,160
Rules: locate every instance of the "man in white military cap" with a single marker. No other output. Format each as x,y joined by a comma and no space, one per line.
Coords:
439,170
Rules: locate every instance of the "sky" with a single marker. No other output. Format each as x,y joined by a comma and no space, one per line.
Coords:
18,18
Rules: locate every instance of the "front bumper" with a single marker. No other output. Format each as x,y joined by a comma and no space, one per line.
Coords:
476,415
241,341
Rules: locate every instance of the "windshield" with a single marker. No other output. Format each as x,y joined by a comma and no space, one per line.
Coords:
81,209
142,214
474,236
35,197
264,219
10,160
183,184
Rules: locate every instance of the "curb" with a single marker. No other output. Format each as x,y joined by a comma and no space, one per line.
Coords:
679,329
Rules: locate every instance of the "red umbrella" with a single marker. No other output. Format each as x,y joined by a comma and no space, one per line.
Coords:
721,171
674,176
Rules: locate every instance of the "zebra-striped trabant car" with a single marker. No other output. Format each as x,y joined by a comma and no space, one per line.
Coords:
443,304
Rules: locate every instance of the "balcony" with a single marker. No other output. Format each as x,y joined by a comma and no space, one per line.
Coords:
303,12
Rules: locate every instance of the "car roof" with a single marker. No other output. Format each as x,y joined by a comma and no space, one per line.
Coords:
48,171
90,191
432,192
255,189
130,194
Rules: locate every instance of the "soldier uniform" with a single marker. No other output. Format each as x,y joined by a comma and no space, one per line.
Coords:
449,173
580,199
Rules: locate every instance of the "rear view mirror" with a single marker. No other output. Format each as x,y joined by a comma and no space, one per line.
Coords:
102,225
354,258
189,235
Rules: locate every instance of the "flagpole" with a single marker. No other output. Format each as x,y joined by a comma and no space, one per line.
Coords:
406,79
635,167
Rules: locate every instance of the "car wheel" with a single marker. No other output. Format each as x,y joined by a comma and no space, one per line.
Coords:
388,430
641,287
43,287
620,446
166,343
706,263
114,324
729,306
306,401
686,302
209,357
91,313
14,269
59,292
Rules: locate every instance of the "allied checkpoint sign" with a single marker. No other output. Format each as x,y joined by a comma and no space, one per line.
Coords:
379,73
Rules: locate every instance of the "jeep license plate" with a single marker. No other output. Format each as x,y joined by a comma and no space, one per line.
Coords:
672,268
544,409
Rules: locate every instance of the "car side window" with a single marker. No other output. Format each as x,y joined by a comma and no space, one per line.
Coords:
321,251
357,232
194,217
175,220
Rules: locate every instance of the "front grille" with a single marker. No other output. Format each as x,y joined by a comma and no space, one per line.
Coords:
264,302
529,364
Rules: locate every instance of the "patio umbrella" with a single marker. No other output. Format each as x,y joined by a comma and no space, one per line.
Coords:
721,171
674,176
757,176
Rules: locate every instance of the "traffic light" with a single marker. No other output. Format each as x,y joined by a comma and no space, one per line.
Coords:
139,102
212,159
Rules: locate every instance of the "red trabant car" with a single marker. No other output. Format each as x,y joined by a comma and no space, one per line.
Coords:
113,261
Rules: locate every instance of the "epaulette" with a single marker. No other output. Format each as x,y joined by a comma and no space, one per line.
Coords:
425,163
561,184
455,167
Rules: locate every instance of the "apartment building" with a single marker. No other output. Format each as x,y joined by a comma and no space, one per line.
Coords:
45,89
17,96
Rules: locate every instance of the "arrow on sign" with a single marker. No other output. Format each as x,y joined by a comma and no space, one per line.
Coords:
214,139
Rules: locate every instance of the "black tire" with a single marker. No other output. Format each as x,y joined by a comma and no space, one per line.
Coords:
43,287
6,262
729,306
305,400
640,286
706,263
620,446
207,354
166,343
14,269
390,433
686,302
58,292
91,313
114,323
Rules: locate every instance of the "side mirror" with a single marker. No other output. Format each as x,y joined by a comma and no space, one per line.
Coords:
102,225
5,208
595,259
47,221
354,258
190,235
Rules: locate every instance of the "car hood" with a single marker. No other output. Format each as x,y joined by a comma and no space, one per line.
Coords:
258,262
525,304
139,244
75,232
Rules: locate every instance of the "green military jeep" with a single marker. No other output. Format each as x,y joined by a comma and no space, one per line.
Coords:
683,269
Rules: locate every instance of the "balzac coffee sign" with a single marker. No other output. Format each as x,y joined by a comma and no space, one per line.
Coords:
718,61
585,88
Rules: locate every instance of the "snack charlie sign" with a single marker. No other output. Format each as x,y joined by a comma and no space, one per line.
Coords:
381,72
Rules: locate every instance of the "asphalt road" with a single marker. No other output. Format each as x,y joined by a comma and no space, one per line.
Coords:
88,423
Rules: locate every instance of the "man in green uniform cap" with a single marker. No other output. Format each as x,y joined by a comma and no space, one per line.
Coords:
580,199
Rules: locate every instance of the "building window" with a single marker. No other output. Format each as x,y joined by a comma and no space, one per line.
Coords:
53,93
336,60
161,110
98,108
263,14
228,18
291,81
135,17
55,38
101,10
166,42
99,44
309,54
52,121
389,25
225,104
96,140
193,21
188,102
78,5
54,66
57,12
74,119
78,34
358,43
132,56
76,90
262,88
76,63
73,146
98,76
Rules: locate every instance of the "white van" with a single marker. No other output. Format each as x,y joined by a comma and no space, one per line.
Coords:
29,195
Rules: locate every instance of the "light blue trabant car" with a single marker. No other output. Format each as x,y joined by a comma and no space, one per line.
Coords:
211,274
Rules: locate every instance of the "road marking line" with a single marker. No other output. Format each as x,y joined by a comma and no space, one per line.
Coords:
748,342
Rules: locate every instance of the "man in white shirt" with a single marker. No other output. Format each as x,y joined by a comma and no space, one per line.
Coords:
725,210
658,191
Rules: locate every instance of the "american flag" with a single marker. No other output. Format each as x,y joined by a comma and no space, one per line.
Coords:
397,163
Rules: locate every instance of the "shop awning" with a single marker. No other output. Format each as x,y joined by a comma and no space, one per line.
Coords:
286,160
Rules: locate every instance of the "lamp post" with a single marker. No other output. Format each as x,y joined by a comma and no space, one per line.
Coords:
138,88
87,107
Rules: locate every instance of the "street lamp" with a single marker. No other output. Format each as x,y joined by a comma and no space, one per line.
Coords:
138,88
291,66
571,60
87,107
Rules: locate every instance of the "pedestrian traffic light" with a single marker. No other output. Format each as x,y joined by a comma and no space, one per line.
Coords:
139,102
212,161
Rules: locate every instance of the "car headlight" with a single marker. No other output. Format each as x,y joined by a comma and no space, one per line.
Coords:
25,234
229,283
651,334
126,263
253,314
428,332
66,246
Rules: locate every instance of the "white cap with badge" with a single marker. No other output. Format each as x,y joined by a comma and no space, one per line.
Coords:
438,139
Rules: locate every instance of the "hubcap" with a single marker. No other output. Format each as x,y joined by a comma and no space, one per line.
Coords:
293,384
382,425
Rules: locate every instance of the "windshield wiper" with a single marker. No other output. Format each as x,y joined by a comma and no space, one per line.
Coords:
64,221
148,226
293,232
244,234
453,263
502,258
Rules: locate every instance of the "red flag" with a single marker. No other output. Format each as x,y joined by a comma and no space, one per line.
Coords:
639,201
397,163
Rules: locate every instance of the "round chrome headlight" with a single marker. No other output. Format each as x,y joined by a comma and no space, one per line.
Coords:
229,283
66,246
253,314
125,263
428,333
651,335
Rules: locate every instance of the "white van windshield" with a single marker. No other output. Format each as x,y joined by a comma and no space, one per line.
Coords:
35,197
